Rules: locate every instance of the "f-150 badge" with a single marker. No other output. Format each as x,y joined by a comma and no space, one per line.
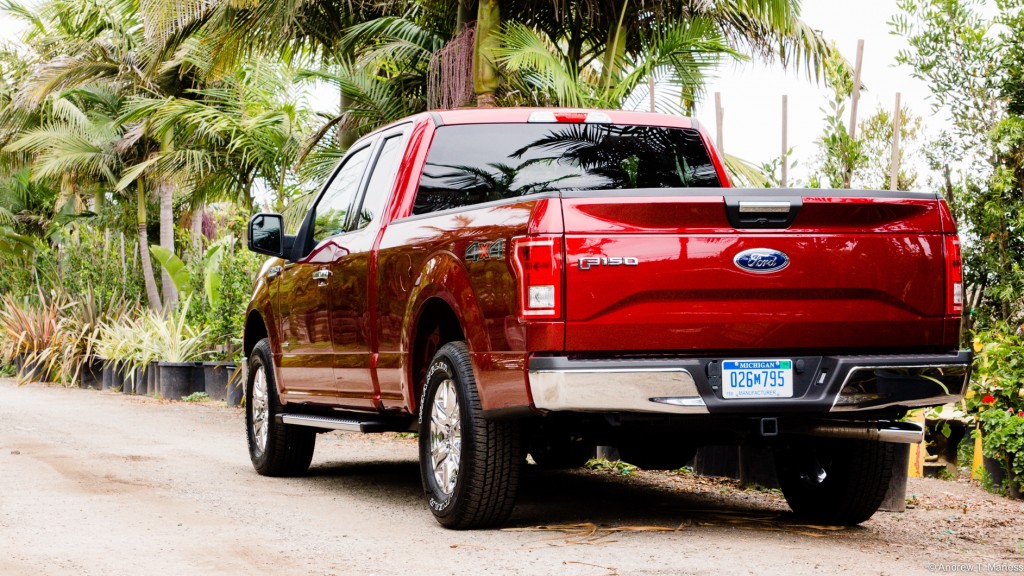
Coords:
589,262
761,260
479,251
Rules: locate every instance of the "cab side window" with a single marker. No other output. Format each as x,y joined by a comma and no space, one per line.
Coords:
332,212
382,181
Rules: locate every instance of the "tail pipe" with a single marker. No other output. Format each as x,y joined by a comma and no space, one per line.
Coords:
893,432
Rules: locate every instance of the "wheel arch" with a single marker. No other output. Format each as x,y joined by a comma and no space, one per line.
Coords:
255,330
443,309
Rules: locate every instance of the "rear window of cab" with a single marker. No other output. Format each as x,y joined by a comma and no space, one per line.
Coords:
475,163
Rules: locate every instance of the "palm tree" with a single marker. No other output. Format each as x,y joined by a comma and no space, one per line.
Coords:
227,141
100,47
83,138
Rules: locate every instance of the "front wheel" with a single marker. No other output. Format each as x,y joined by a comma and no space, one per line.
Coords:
838,482
276,449
469,465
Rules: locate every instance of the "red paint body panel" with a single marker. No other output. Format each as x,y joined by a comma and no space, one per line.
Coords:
423,258
865,274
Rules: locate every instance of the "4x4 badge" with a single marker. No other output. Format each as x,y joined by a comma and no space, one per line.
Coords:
479,251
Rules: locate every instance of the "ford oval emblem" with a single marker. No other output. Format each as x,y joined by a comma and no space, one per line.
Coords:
761,260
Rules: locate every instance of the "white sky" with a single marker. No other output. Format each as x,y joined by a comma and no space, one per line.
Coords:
752,93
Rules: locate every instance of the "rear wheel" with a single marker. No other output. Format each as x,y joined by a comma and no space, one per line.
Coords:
275,449
835,481
470,466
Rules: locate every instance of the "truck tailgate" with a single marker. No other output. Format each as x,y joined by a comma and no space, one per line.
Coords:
665,271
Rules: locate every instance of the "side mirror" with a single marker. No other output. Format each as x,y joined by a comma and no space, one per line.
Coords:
266,234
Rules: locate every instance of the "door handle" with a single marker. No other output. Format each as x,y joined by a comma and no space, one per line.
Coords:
321,276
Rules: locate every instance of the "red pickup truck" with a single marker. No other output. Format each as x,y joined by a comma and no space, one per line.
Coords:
544,281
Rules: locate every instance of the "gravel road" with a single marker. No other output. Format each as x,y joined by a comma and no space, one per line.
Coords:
96,483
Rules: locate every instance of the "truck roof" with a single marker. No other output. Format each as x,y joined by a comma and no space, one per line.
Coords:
519,115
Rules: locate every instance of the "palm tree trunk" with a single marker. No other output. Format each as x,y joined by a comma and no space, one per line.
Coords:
197,228
165,190
485,73
345,137
463,16
615,49
152,295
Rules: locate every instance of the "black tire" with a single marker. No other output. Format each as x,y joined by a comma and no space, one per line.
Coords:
835,481
481,489
651,455
560,451
287,449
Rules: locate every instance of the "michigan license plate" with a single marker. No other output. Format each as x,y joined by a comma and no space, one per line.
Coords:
757,378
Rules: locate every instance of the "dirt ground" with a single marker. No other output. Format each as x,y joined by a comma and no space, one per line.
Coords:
105,484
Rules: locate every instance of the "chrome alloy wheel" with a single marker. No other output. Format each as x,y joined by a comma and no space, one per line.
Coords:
260,404
445,436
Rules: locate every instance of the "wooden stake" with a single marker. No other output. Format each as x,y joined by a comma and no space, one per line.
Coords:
718,124
978,464
918,452
855,97
650,88
785,141
894,164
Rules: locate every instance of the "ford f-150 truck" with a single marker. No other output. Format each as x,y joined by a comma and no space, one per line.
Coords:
535,281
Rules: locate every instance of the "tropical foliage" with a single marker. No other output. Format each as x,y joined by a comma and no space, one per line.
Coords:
136,136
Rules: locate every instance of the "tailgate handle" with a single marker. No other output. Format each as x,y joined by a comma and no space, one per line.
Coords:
764,207
759,212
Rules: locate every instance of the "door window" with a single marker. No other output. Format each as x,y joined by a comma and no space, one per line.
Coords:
382,180
331,213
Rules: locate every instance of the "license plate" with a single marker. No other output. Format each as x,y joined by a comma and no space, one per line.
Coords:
757,378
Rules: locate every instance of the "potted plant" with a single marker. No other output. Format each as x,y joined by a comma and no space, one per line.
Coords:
30,330
179,346
1003,441
997,396
74,361
113,342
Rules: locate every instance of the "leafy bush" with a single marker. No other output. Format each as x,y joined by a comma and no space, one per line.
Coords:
172,338
998,370
224,277
1003,439
29,329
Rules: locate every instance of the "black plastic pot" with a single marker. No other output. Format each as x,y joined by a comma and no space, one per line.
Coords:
142,388
995,471
90,373
32,370
235,389
176,379
216,379
198,379
153,379
113,375
139,381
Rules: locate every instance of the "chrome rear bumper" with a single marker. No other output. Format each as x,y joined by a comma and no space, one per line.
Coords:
824,384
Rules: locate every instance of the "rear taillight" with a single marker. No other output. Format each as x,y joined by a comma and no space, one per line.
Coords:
954,276
538,265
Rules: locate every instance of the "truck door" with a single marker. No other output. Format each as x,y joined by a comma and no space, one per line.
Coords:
307,348
352,289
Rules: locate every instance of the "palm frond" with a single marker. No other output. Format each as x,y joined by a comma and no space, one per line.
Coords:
524,51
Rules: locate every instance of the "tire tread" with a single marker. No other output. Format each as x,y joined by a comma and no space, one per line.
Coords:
290,448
